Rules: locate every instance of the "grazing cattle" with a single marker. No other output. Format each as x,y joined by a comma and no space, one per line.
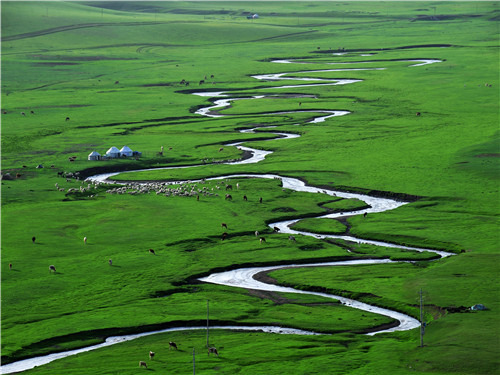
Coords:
224,236
117,82
10,266
23,114
221,149
110,262
151,251
229,197
229,187
143,364
276,229
4,112
213,350
171,345
197,197
52,269
245,198
33,239
262,239
151,355
32,112
84,240
364,215
18,175
223,225
260,200
256,233
67,118
212,76
202,82
291,238
418,114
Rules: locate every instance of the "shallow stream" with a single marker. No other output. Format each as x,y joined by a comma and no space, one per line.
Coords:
244,277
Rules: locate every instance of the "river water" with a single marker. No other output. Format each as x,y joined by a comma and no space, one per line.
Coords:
245,277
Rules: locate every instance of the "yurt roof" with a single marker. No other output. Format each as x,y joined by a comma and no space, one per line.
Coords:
125,149
112,150
94,153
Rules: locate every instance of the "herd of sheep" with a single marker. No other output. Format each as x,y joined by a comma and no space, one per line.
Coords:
185,189
165,188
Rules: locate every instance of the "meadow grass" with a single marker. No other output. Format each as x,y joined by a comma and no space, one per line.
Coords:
115,69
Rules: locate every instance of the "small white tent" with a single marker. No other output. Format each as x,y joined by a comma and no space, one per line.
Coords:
113,152
126,151
94,155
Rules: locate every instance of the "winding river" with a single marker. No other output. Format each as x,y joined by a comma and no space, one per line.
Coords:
244,277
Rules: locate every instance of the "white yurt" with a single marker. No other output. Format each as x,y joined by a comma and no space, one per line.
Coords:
113,152
94,155
126,151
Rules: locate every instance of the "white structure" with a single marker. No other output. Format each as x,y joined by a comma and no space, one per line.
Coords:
126,151
94,155
113,152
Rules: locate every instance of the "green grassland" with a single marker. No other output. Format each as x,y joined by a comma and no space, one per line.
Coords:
114,69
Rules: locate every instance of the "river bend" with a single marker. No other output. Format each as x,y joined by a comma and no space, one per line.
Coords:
244,277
